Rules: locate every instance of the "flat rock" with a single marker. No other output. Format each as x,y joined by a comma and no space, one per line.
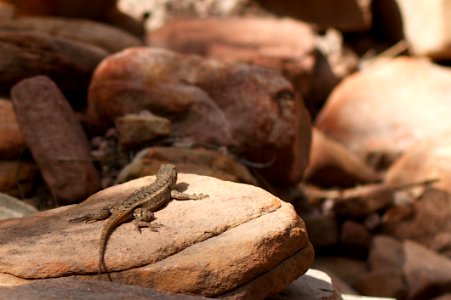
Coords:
257,115
29,53
11,141
64,288
55,138
425,220
266,243
386,108
196,161
107,37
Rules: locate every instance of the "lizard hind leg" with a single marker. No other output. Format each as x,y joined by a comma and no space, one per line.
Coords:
100,215
143,218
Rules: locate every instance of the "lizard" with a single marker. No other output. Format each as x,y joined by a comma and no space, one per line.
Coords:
139,206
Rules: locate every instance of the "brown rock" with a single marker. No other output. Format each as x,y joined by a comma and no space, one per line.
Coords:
426,220
11,207
263,41
197,161
323,228
55,138
355,238
394,104
425,160
98,34
345,15
28,53
258,115
331,164
11,140
17,178
386,278
64,288
266,243
427,274
314,285
7,11
348,269
136,130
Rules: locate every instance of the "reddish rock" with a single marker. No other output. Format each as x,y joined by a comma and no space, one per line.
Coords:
262,41
386,108
345,15
428,159
196,161
266,243
7,11
18,178
347,269
252,110
332,165
55,138
426,220
427,274
11,140
28,53
355,238
98,34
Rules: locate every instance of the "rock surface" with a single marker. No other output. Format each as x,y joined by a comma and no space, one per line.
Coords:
345,15
29,53
265,241
419,20
425,220
386,108
428,159
14,208
332,165
136,130
55,138
107,37
64,288
17,178
252,110
197,161
11,140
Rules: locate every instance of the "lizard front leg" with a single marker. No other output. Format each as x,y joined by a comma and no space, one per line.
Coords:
143,218
182,196
100,215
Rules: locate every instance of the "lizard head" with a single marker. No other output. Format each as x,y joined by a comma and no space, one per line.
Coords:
168,171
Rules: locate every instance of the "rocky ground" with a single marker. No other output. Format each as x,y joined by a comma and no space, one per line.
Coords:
319,130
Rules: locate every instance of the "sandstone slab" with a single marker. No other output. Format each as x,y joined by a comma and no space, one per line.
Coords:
197,161
386,108
11,141
239,241
55,138
252,110
98,34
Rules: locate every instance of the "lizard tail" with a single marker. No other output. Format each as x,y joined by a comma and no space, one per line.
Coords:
113,222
